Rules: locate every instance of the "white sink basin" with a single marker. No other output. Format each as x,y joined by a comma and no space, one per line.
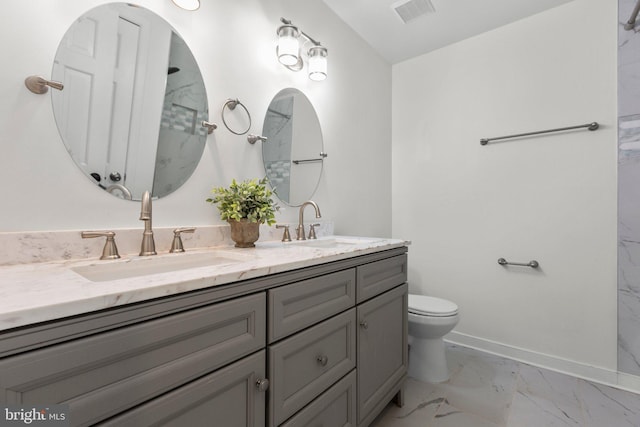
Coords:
144,266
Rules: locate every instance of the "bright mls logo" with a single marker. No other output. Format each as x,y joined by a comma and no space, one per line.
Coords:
34,415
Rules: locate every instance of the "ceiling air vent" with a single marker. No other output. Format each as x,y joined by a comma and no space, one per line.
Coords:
408,10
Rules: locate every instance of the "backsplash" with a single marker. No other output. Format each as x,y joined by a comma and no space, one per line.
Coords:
45,246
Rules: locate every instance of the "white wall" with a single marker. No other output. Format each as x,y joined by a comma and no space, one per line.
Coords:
549,198
234,43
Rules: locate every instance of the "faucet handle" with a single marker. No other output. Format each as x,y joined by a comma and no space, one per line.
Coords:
110,251
312,230
176,245
286,236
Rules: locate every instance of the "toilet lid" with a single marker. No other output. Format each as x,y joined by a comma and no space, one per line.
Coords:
431,306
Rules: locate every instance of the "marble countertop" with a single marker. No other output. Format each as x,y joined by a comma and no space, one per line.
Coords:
32,293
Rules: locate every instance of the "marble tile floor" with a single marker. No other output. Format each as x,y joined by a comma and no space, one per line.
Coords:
490,391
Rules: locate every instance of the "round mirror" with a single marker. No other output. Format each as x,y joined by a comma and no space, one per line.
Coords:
133,102
293,153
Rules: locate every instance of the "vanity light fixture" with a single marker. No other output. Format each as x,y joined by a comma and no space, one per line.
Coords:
288,48
288,51
187,4
318,63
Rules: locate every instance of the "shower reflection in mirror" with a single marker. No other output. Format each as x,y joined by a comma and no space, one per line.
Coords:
293,132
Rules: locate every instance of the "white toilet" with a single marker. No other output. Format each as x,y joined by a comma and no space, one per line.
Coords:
430,319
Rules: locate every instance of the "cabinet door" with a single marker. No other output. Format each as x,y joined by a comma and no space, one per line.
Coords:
382,350
229,397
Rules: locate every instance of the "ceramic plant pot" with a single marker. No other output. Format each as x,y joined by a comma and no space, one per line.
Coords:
244,233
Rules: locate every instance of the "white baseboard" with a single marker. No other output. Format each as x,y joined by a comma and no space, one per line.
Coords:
591,373
628,382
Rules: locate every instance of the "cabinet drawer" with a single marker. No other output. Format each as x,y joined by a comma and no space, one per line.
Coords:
334,408
104,374
380,276
306,364
228,397
297,306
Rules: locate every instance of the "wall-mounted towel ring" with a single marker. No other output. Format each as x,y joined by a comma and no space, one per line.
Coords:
231,104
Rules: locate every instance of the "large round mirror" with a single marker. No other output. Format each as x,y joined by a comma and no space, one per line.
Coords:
133,102
293,153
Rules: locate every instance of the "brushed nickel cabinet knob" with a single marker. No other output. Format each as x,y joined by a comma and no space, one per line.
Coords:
262,385
323,360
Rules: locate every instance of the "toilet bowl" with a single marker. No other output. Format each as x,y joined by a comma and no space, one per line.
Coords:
430,319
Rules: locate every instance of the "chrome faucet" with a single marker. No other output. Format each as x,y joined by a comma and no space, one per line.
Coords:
300,229
148,244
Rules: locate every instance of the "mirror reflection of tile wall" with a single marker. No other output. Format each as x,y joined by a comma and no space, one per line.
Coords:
278,164
628,193
181,138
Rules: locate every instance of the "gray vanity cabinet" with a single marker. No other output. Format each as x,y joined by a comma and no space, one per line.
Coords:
324,345
304,363
359,328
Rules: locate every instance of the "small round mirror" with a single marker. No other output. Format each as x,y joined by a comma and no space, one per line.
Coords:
293,153
133,103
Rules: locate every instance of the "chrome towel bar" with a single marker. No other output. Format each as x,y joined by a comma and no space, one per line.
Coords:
590,126
322,156
532,264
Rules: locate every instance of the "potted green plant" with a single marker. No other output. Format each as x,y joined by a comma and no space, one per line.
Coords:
245,205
